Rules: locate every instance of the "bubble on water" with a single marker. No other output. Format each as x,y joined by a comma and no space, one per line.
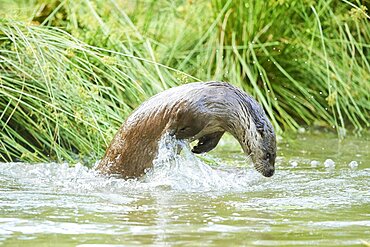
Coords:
293,163
353,164
314,163
329,163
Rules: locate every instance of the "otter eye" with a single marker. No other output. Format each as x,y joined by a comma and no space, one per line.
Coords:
268,156
183,129
260,130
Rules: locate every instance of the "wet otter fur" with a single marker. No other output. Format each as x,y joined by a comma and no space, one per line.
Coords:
201,111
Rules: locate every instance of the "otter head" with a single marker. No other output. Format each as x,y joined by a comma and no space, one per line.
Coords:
260,144
264,152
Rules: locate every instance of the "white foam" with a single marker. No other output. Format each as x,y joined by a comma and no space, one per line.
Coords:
187,172
183,172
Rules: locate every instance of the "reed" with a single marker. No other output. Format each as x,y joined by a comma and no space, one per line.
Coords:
71,71
62,99
306,61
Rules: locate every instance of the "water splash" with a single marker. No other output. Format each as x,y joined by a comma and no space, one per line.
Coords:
175,167
183,195
178,168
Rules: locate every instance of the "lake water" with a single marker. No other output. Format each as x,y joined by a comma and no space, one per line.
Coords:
310,200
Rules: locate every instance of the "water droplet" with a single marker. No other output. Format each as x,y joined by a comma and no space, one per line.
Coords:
314,163
294,96
329,163
294,163
353,164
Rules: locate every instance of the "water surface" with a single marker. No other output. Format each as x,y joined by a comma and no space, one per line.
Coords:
185,202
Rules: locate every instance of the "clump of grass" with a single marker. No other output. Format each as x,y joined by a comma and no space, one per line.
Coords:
306,62
68,81
62,99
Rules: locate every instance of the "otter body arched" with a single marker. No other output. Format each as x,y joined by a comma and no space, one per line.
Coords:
200,111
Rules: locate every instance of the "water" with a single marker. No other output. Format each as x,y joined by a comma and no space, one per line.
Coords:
184,202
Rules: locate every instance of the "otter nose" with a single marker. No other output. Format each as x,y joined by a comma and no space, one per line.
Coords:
269,172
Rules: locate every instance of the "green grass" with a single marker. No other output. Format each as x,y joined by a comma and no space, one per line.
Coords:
60,97
71,71
307,64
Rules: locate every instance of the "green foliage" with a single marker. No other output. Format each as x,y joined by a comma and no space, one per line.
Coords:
71,71
307,62
60,97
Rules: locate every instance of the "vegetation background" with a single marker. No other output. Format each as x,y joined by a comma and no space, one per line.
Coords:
71,71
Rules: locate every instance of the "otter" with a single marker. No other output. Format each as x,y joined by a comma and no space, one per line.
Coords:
201,111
